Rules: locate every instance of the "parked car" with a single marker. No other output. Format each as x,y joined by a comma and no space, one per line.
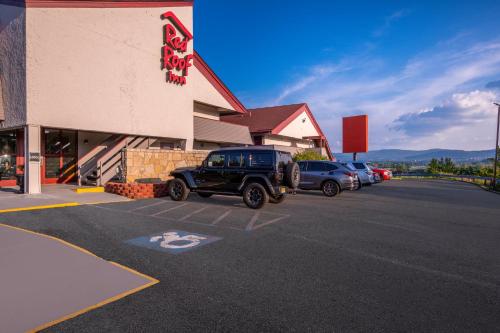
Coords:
329,177
376,177
258,174
365,175
384,173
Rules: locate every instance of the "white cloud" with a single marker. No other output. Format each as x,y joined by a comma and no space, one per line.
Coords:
447,76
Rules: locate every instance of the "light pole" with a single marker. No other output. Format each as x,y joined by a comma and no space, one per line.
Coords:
496,149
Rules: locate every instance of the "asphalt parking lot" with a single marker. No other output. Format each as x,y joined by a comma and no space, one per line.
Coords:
397,256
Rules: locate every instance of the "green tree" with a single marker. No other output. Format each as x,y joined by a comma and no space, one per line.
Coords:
433,166
308,155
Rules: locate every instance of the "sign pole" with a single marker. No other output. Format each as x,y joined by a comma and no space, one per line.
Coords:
496,149
354,156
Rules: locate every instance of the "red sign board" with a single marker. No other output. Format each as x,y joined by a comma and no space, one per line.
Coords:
355,134
176,38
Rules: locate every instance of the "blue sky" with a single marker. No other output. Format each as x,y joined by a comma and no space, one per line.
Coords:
425,72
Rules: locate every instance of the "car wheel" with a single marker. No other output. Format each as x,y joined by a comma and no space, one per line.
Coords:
178,190
255,196
292,175
276,200
204,194
330,188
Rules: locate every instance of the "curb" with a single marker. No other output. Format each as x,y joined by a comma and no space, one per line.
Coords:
97,189
23,209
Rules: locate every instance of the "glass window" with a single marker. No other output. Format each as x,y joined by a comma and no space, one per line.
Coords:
359,166
330,167
235,160
216,161
7,155
316,166
302,166
260,159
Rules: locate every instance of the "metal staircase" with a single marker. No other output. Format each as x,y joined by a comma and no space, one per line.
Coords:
105,162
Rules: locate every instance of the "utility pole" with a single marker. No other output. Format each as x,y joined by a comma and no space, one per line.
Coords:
496,149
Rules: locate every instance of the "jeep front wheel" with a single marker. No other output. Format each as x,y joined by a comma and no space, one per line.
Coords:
178,190
255,196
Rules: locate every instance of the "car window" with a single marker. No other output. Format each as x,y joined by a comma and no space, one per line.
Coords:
330,167
216,160
359,166
235,160
316,166
349,166
260,159
284,157
302,166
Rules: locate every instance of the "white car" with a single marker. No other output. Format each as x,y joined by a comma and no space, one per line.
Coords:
365,174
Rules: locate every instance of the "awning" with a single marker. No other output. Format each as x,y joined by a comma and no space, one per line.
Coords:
210,130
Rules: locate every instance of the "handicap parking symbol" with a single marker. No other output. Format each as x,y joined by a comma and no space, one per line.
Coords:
173,241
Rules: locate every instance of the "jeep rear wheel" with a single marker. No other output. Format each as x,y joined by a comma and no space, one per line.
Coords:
255,196
292,175
178,190
330,188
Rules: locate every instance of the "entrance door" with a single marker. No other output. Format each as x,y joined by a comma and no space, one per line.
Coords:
60,156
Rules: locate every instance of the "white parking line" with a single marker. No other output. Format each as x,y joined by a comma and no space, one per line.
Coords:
222,217
252,221
193,213
170,209
271,222
152,205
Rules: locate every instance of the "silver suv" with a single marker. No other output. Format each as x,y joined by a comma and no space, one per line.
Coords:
365,174
329,177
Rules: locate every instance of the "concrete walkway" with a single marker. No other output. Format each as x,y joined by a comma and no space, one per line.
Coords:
52,195
45,281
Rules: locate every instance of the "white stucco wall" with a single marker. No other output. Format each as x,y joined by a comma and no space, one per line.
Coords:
99,69
205,111
12,65
205,92
274,141
299,129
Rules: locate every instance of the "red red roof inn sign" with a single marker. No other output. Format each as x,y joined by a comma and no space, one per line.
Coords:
175,42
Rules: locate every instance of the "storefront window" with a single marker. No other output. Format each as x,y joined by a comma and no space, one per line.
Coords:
8,155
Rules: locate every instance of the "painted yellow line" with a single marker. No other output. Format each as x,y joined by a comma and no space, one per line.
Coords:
152,281
22,209
98,189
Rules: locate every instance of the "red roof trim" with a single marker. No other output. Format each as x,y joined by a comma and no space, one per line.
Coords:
94,3
209,74
171,16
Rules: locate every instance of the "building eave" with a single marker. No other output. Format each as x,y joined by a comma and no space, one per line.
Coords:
217,83
95,3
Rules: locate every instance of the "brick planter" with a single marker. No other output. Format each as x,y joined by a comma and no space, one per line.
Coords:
138,190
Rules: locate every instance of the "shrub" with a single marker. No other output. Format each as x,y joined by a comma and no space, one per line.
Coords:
308,155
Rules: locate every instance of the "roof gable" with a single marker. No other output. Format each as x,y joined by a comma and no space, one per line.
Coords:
267,120
217,83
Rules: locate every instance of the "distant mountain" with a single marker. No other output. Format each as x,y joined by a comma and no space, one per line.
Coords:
399,155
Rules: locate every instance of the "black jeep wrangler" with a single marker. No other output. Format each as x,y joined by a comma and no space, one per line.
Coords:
259,174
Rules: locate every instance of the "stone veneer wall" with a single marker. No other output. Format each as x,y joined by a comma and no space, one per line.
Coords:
151,163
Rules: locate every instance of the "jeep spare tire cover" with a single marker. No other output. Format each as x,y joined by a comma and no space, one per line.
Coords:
292,175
